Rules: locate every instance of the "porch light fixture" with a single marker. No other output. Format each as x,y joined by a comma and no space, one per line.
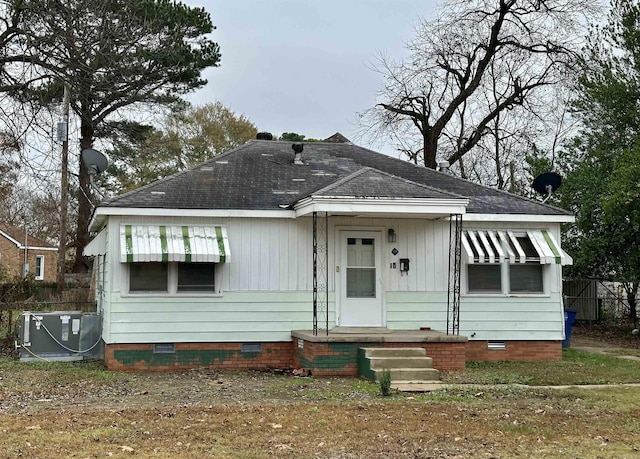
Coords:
391,235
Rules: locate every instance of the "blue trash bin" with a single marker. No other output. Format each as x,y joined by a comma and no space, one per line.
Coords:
569,319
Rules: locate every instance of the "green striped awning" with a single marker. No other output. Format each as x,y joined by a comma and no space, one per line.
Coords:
158,243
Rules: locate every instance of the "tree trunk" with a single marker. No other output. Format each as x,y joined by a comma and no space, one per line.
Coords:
84,204
632,290
429,148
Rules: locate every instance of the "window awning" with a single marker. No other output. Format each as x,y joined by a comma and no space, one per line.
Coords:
491,246
190,244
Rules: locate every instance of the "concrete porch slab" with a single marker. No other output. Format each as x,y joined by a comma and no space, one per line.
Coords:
376,335
360,331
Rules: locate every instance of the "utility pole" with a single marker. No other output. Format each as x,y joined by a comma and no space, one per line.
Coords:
64,191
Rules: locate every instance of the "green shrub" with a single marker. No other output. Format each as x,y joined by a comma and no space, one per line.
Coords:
385,382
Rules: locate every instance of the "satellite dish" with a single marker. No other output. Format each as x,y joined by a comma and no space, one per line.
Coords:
547,183
95,161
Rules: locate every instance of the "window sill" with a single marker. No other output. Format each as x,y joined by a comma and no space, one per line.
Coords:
505,295
171,295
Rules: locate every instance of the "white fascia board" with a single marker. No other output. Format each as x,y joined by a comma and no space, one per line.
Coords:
12,239
533,218
359,205
102,212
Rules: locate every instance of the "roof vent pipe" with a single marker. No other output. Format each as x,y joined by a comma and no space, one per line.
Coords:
297,148
443,166
264,136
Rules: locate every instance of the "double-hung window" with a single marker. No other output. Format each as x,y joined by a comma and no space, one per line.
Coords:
173,259
509,262
39,274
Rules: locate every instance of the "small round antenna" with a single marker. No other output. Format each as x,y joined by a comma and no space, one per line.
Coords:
95,161
547,183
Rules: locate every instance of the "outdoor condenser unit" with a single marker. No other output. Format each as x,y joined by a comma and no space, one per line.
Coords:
59,336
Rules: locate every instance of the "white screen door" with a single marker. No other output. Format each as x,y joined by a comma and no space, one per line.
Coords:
360,279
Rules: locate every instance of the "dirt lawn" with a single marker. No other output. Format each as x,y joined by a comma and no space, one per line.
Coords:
88,413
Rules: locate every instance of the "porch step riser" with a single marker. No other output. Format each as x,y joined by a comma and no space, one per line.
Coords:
411,374
400,362
395,352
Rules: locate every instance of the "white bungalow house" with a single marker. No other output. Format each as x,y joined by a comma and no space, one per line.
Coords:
271,256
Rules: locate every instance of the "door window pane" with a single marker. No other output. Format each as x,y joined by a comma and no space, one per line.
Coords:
525,278
484,278
148,277
361,253
196,277
361,282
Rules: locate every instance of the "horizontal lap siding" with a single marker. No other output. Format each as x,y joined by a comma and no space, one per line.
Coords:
500,319
236,317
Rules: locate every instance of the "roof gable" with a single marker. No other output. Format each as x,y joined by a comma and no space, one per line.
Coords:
368,182
17,236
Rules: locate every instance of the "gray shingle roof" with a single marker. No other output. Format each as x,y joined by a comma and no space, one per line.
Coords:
369,182
261,175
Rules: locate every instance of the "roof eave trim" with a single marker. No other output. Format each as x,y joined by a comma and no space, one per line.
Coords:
101,213
472,217
363,205
12,239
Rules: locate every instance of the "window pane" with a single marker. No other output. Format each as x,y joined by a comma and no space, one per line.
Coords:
361,252
361,282
148,277
526,278
39,267
196,277
484,278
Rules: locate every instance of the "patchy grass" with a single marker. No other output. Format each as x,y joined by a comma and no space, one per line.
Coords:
525,424
631,352
576,368
61,410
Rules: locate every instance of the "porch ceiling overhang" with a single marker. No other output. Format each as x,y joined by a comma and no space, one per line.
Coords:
429,208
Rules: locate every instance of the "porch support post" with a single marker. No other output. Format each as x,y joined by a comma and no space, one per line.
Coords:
320,273
453,289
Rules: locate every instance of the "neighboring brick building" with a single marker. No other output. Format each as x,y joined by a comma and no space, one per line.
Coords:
41,256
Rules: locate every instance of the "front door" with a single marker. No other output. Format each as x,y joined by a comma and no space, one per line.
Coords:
360,279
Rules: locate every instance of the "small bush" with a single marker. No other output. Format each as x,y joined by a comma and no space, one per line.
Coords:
385,383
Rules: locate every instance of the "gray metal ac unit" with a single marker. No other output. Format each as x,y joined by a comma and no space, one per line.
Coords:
59,336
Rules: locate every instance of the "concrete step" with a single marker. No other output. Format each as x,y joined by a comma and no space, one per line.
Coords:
395,352
410,374
418,386
400,362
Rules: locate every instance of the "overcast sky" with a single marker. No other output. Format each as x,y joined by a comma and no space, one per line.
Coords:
303,66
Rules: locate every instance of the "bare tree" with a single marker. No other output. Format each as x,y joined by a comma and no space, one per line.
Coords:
480,63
